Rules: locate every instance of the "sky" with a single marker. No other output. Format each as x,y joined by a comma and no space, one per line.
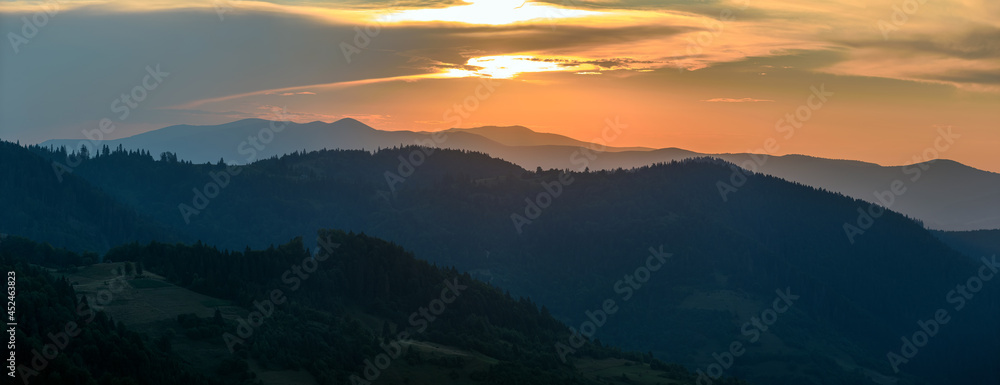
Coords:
880,81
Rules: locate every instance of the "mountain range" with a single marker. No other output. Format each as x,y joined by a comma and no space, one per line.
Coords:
573,240
924,190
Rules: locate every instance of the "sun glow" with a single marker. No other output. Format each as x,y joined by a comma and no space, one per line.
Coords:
509,66
489,12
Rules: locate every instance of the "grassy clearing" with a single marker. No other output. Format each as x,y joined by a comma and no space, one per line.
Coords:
151,304
619,371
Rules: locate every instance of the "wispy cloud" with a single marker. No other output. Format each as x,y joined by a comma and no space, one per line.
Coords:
734,100
941,65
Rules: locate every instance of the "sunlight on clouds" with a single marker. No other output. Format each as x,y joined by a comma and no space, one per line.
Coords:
489,12
496,67
509,66
736,100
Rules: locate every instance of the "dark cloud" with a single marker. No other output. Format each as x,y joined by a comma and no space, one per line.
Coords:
967,76
980,42
378,4
610,63
740,10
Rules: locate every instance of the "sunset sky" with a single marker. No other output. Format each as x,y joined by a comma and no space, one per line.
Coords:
703,75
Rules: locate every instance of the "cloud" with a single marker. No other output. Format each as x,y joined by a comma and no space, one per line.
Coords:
732,100
643,56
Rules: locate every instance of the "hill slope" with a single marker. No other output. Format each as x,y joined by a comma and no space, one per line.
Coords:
584,234
45,200
324,327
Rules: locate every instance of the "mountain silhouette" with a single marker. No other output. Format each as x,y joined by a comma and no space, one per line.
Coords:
943,194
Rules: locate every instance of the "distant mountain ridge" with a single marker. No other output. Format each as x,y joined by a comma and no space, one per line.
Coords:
524,136
943,194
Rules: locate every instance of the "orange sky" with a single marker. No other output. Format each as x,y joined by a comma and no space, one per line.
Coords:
707,76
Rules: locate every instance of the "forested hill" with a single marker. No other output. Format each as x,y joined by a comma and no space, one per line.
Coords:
90,348
564,239
45,200
976,244
221,204
339,308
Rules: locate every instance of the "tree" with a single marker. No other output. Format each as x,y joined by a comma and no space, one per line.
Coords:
163,343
